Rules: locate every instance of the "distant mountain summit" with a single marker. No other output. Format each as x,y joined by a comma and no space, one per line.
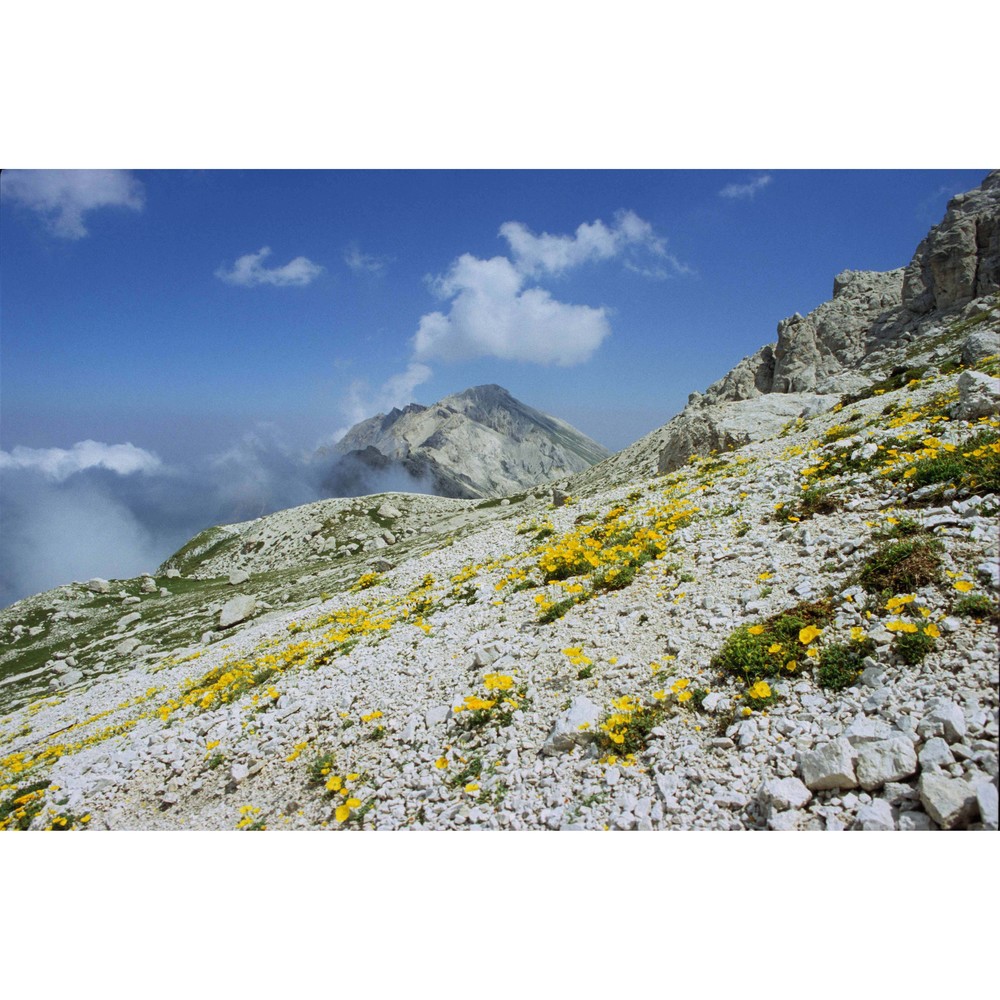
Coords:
481,442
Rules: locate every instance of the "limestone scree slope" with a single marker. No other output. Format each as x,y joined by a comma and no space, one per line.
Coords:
779,611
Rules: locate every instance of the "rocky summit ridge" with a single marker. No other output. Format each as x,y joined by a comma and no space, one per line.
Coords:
474,444
778,611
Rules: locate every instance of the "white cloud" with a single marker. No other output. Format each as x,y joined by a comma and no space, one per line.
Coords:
60,463
492,314
746,190
364,263
249,270
631,237
63,197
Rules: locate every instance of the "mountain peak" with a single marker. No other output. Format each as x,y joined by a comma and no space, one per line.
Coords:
480,442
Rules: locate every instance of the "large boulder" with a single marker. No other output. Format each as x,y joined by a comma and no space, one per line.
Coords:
239,609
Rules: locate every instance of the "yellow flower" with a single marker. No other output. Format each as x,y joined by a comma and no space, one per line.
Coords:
812,652
755,629
334,783
500,682
807,634
747,711
858,634
471,788
342,813
684,696
932,630
763,577
441,763
353,803
760,690
896,625
659,695
678,686
791,666
775,647
963,586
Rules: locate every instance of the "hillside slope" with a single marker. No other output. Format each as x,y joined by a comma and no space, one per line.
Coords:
797,633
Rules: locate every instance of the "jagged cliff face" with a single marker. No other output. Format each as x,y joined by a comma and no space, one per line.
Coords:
850,341
478,443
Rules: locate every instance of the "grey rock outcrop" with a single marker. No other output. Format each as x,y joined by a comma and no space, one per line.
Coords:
959,259
820,354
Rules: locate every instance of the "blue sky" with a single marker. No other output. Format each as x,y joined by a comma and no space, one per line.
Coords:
214,317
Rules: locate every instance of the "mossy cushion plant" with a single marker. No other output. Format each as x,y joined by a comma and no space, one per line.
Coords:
754,652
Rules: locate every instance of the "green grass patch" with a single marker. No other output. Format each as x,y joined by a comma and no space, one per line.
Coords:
815,500
902,565
977,606
912,647
747,654
974,465
840,664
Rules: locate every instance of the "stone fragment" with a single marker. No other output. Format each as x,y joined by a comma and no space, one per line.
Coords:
436,715
575,727
784,819
388,512
126,620
986,797
935,754
916,820
237,610
238,576
989,573
172,573
877,815
942,718
950,802
829,766
715,702
886,760
148,585
978,396
238,772
978,345
784,793
99,585
864,730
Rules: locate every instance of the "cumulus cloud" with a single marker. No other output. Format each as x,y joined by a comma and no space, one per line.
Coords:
364,263
60,463
630,237
748,190
492,313
249,270
63,197
498,309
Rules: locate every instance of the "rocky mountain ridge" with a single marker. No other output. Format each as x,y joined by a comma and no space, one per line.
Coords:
478,443
794,627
